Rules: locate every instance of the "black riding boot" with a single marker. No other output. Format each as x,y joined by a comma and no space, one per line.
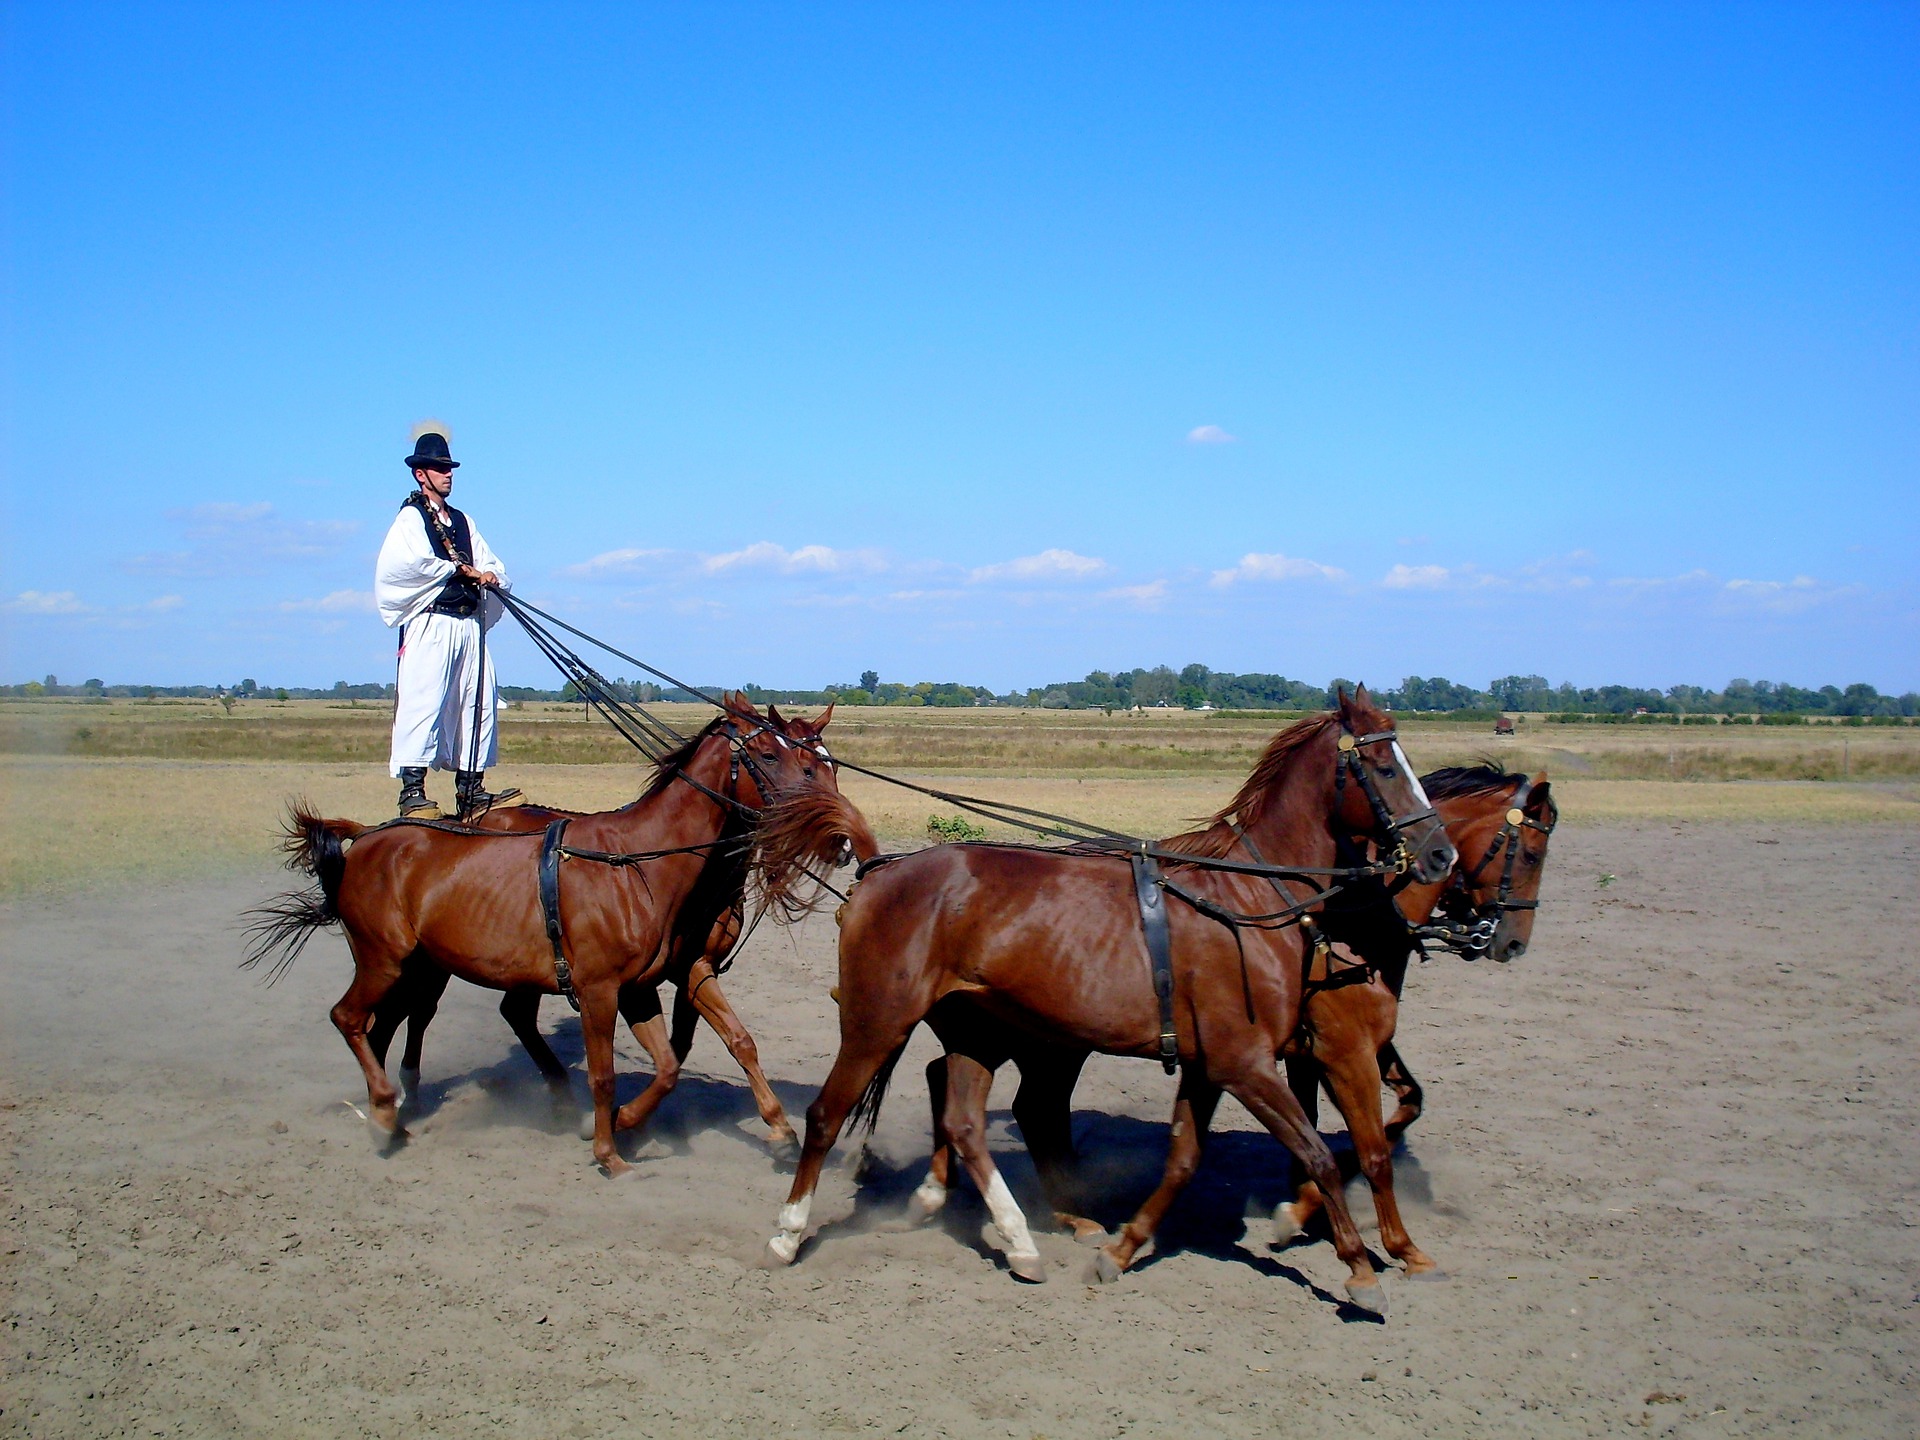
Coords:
413,794
473,797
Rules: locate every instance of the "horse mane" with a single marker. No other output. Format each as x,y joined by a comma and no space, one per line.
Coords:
1213,839
799,835
1454,782
670,764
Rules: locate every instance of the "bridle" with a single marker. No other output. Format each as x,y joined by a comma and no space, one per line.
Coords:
1468,929
1393,827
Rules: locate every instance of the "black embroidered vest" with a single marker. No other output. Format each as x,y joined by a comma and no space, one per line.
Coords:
452,541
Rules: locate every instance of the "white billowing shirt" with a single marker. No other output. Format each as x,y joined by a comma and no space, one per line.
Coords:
409,575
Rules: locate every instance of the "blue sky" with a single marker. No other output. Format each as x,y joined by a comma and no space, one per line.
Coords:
985,344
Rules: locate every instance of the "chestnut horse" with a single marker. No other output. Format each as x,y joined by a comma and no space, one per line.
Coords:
693,972
1052,941
1490,900
1350,1015
468,902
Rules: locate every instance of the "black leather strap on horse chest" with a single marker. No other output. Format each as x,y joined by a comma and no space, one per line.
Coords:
1153,923
550,906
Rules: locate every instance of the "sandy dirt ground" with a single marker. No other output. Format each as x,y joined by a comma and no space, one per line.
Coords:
1669,1161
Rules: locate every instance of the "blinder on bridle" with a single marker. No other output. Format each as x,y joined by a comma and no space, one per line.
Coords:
1468,929
1390,826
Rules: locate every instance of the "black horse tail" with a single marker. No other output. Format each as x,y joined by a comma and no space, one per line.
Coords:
280,929
867,1108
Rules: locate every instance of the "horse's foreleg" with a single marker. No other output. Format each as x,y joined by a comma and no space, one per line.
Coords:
968,1085
1192,1115
1399,1079
1260,1089
521,1010
598,1008
652,1035
1043,1109
704,991
1354,1077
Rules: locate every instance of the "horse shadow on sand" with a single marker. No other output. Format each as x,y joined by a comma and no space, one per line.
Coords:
1221,1214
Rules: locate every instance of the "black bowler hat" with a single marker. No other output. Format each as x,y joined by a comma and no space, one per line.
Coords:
430,449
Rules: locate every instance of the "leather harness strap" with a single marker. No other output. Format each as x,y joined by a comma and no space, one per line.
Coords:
1153,923
550,906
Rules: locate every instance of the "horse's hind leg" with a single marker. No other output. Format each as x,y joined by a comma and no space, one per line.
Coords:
1192,1117
704,991
521,1010
968,1085
424,984
1399,1079
1043,1109
374,976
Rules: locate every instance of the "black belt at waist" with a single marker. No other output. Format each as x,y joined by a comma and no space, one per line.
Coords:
463,608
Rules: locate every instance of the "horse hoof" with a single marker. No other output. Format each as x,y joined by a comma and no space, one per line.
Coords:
1085,1232
1030,1268
920,1210
1286,1223
785,1148
1106,1269
387,1141
1432,1272
779,1252
1370,1298
617,1169
586,1126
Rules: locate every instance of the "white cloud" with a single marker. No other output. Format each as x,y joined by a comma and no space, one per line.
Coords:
1047,565
619,562
1209,435
820,559
46,602
1276,567
1783,597
1150,596
160,604
338,602
1417,577
225,538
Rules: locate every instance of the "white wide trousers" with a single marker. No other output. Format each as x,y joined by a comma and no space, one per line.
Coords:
440,671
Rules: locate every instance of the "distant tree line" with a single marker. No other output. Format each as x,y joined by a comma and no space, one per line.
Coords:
1191,687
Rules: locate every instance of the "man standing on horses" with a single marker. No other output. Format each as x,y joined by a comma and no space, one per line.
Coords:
431,581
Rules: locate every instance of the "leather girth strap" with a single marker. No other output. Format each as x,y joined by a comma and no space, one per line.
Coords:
1153,923
550,907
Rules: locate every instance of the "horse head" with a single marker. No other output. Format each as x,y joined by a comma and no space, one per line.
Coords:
1503,857
1385,801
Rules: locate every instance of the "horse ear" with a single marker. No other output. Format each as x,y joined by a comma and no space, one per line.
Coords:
735,702
773,714
1540,797
825,716
1360,696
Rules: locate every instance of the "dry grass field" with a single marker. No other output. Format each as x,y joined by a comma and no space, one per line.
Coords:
136,789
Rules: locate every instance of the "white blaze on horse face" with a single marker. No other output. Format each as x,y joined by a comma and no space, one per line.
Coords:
1413,779
1009,1220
